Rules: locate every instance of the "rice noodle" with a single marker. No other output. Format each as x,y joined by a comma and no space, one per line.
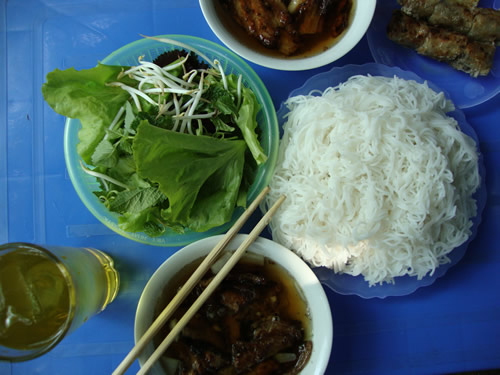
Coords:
379,181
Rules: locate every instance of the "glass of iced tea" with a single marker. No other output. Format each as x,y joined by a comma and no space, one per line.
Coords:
47,292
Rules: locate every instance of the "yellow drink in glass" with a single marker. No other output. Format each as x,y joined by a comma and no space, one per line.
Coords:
47,292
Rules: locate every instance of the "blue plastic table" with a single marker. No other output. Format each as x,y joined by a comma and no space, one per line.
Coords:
451,326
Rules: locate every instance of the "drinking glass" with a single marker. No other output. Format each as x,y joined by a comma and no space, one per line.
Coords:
46,292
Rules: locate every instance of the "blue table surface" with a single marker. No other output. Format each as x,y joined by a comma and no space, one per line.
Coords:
451,326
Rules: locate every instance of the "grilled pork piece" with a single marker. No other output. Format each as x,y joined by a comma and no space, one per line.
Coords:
287,25
310,17
198,360
482,24
271,335
240,328
343,10
266,20
465,3
418,8
456,18
463,54
486,25
424,8
313,16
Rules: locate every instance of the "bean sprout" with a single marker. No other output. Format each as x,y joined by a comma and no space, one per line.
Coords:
221,70
197,116
178,97
117,118
238,90
177,112
103,176
133,91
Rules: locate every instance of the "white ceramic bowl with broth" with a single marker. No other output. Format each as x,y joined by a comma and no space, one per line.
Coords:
235,38
321,328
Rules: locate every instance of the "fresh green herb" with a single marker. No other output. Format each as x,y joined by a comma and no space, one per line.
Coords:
171,147
137,200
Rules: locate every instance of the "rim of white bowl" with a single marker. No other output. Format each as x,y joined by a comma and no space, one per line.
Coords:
319,307
361,21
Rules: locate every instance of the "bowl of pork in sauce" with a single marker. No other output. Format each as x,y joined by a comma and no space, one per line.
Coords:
289,34
269,315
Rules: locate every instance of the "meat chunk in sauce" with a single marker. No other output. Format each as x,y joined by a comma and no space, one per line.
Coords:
270,336
241,328
275,26
266,20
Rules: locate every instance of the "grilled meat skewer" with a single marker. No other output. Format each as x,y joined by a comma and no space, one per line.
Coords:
424,8
462,53
464,3
482,24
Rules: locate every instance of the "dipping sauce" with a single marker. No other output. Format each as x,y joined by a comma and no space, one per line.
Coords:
309,32
256,319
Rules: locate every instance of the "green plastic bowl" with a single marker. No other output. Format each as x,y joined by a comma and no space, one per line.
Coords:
149,48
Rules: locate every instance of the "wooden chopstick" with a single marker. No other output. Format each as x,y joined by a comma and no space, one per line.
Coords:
188,286
254,234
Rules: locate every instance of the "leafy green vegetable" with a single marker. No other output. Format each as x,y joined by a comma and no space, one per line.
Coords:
84,95
200,175
247,122
137,200
147,221
221,99
170,146
105,154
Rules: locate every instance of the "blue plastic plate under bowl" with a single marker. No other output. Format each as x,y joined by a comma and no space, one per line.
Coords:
464,90
128,56
404,285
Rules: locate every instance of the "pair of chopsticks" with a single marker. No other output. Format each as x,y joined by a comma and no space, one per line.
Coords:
193,281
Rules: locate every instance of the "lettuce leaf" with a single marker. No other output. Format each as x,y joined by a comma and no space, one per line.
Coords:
84,95
200,176
247,122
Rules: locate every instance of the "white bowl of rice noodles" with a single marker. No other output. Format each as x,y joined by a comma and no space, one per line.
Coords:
384,180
